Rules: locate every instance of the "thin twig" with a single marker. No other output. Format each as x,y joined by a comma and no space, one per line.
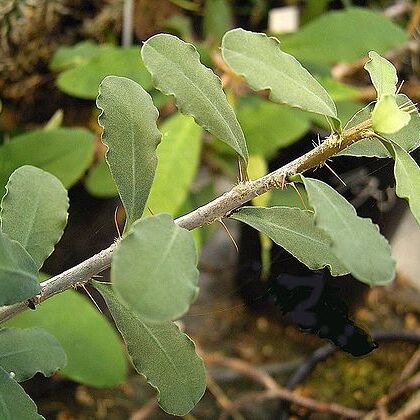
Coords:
308,403
145,412
273,390
224,402
408,370
409,409
209,213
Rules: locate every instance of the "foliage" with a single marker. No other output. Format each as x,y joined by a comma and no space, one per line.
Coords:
41,208
317,48
152,165
130,141
63,152
163,354
169,276
87,64
85,329
176,70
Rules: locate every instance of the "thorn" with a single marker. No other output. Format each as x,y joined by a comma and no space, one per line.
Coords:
150,211
91,298
116,222
229,234
280,183
399,88
97,276
334,173
299,194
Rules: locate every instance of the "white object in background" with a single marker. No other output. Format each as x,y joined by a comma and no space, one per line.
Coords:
127,23
283,20
405,247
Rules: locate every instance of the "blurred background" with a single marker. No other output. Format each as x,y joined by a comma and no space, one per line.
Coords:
54,54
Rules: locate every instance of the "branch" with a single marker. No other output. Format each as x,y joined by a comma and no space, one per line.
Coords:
217,209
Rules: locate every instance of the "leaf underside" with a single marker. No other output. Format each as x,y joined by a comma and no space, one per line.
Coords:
176,70
34,211
18,272
26,352
264,65
407,177
129,126
355,241
154,269
163,354
294,229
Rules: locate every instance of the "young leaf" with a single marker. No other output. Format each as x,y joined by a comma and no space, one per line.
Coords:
154,269
176,70
355,241
14,401
294,229
407,177
129,121
178,160
163,354
18,272
95,355
34,211
28,351
265,66
356,30
383,74
64,152
387,117
408,137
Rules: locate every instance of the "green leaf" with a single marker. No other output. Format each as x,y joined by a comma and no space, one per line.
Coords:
34,211
313,9
26,352
407,177
408,137
351,34
217,19
355,241
294,229
387,117
95,356
154,269
176,70
14,401
265,66
269,127
80,53
18,272
337,90
163,354
99,181
179,155
83,80
64,152
288,197
129,121
383,74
